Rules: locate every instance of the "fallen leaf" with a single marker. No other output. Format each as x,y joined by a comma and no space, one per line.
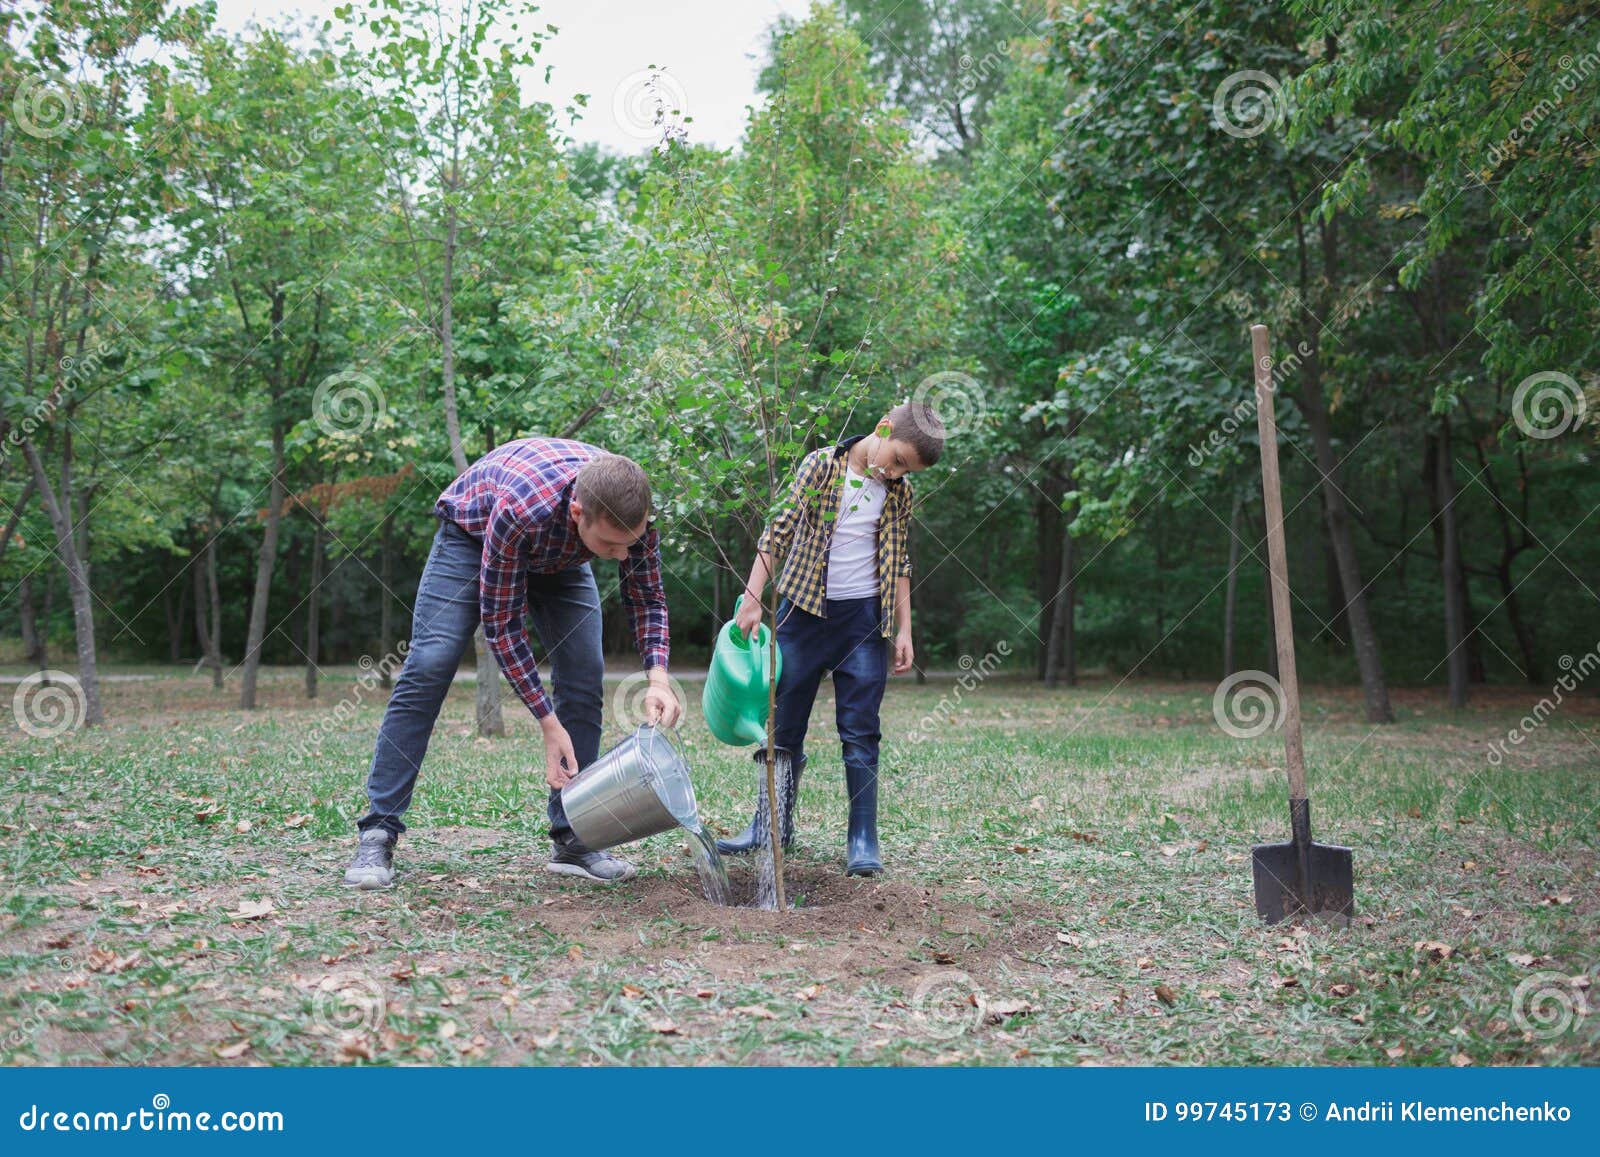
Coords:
631,992
1342,990
234,1051
1580,981
1067,938
809,992
448,1029
297,821
209,812
1144,962
253,910
1169,849
242,826
944,957
1166,996
1559,898
704,993
1522,959
1286,981
1209,994
1460,1060
575,953
996,1011
664,1027
757,1011
1395,1053
1414,812
104,960
1435,949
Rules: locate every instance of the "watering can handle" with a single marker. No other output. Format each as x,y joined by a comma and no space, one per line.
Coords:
755,658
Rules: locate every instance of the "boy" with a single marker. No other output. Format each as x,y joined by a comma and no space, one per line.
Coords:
845,591
518,530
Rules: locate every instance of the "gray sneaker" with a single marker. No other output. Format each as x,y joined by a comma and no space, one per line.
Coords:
573,859
373,866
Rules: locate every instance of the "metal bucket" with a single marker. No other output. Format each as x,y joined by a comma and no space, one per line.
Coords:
639,788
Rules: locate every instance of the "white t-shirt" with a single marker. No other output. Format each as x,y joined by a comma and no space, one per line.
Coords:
853,553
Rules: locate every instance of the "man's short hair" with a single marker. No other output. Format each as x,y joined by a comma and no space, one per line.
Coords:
616,487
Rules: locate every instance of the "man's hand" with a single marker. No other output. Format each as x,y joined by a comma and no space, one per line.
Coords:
560,765
902,653
748,617
661,706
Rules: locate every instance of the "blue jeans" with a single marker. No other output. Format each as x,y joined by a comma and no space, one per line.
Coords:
847,643
563,610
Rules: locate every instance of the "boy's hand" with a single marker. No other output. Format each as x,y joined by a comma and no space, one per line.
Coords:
661,706
560,765
748,617
902,653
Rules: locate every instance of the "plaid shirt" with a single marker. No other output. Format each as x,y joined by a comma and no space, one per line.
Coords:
802,532
515,501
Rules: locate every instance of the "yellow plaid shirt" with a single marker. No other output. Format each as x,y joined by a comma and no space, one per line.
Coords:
802,531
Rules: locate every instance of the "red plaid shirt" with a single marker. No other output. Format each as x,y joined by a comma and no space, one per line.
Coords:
515,501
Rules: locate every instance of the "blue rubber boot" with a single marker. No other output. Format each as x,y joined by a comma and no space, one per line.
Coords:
861,848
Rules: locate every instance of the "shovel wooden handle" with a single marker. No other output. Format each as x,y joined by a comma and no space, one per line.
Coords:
1277,558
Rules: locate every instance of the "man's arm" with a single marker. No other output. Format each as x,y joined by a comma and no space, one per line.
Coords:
646,602
502,595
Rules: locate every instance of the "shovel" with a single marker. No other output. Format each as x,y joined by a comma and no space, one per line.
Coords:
1299,878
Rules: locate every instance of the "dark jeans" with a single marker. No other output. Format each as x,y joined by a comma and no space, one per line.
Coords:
563,610
847,643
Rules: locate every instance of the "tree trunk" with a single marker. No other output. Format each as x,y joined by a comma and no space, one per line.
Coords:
202,626
58,508
1519,625
1047,536
170,610
314,606
1333,585
1230,596
385,599
490,719
216,606
1060,643
265,562
1449,570
1362,636
32,642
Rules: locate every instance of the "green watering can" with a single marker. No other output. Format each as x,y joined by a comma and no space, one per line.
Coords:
735,698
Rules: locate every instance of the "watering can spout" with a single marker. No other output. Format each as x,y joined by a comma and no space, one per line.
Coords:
739,683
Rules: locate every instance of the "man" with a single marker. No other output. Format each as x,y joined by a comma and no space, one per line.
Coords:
516,531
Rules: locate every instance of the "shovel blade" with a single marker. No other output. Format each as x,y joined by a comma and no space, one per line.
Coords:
1282,893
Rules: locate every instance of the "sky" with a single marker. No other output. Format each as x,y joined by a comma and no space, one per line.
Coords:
709,51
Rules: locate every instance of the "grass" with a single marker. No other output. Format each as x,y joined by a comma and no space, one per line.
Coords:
1069,884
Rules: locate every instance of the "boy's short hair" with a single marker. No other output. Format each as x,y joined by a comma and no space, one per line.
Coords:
616,487
918,425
